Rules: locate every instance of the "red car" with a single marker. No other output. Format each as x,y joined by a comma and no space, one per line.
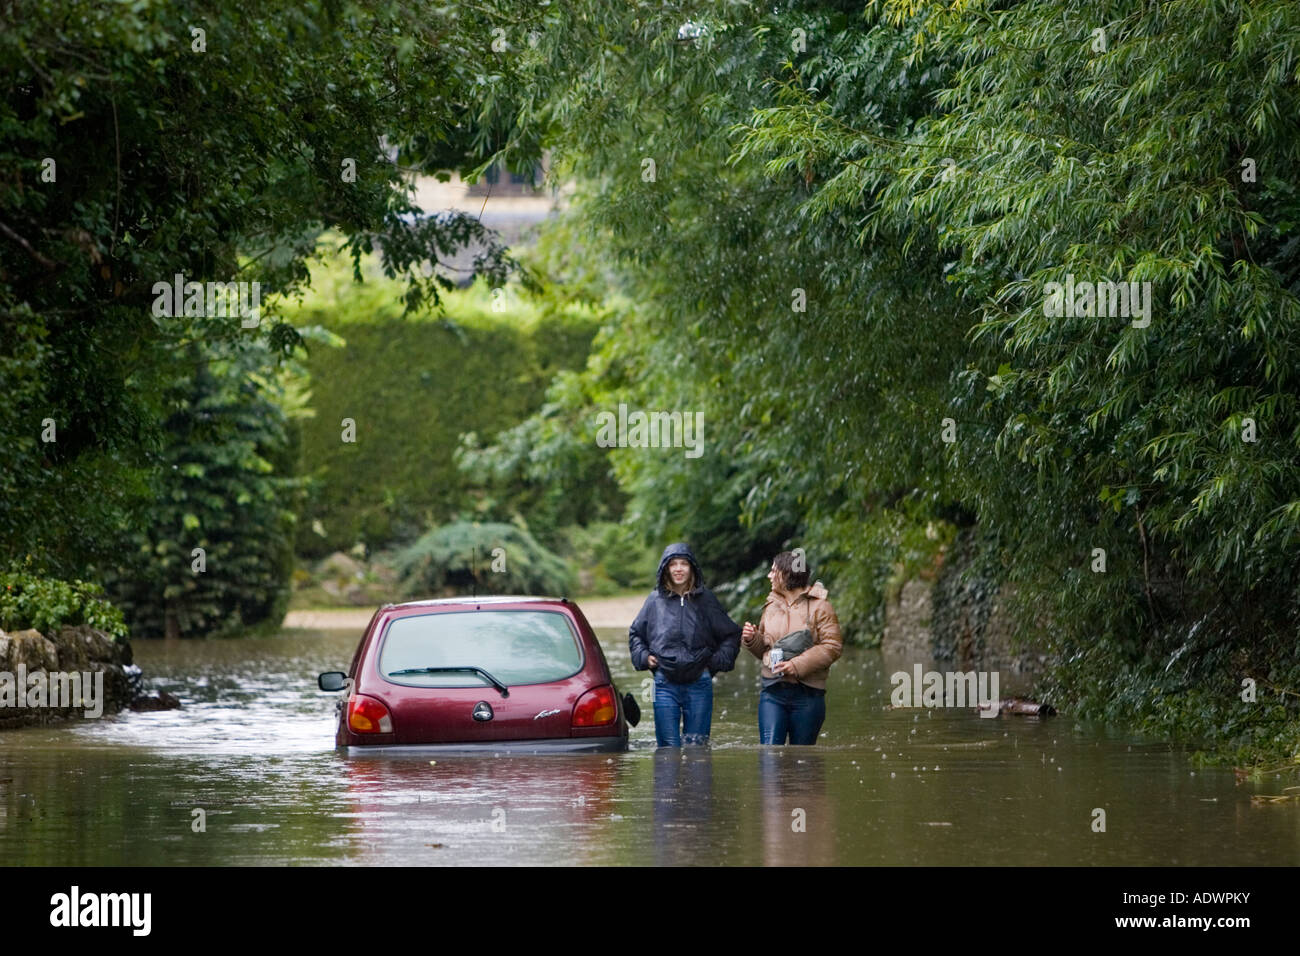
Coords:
491,674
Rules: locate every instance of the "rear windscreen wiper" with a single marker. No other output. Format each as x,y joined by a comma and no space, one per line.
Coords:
505,691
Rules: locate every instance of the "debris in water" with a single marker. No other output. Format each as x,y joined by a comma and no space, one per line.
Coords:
163,701
1262,800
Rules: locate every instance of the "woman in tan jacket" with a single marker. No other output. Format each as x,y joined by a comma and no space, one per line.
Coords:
793,699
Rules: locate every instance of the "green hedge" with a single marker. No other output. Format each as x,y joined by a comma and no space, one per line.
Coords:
413,386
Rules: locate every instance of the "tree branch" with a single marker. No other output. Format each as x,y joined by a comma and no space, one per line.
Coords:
27,247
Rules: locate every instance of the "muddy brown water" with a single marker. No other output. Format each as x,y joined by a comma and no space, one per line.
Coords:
252,749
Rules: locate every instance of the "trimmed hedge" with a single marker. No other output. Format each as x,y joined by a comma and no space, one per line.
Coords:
412,386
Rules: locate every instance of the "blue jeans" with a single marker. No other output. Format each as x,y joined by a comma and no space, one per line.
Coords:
790,708
683,711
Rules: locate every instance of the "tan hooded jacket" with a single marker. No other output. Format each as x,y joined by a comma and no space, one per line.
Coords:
809,609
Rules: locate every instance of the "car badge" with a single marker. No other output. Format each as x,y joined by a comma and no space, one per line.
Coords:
546,713
483,711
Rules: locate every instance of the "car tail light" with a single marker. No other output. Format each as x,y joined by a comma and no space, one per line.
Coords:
596,708
368,716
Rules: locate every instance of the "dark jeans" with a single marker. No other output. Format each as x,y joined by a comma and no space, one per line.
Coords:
683,711
793,709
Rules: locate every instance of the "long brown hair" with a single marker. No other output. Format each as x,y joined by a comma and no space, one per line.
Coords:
792,580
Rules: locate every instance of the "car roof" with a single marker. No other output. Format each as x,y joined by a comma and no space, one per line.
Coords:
487,599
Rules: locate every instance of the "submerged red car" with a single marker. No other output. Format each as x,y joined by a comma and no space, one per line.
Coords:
493,674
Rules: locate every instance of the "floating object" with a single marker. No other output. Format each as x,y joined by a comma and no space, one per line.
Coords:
1020,707
163,701
1264,800
976,745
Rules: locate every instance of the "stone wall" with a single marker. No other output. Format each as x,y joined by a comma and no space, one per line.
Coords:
962,618
78,649
907,622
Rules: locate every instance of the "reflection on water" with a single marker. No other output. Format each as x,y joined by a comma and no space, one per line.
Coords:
798,818
510,809
251,754
683,804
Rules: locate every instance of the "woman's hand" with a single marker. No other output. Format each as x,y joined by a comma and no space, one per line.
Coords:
652,662
783,667
747,633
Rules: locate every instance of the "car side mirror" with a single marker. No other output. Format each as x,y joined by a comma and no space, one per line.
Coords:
333,680
631,709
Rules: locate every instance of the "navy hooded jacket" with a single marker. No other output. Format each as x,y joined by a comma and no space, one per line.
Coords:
687,633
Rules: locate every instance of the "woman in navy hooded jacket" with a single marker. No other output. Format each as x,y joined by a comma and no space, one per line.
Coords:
684,637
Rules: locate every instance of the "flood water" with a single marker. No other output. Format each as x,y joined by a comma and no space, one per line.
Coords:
253,749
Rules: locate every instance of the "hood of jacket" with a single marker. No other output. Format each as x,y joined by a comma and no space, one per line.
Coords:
687,638
814,592
678,550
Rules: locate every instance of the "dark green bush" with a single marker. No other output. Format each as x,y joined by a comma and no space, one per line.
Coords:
463,558
225,485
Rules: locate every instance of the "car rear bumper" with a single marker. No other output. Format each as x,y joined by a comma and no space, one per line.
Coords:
570,745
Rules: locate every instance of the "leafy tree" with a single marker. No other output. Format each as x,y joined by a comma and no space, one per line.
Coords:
916,174
215,553
141,141
813,418
1127,143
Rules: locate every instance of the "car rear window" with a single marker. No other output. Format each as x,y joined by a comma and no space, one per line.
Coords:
515,647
